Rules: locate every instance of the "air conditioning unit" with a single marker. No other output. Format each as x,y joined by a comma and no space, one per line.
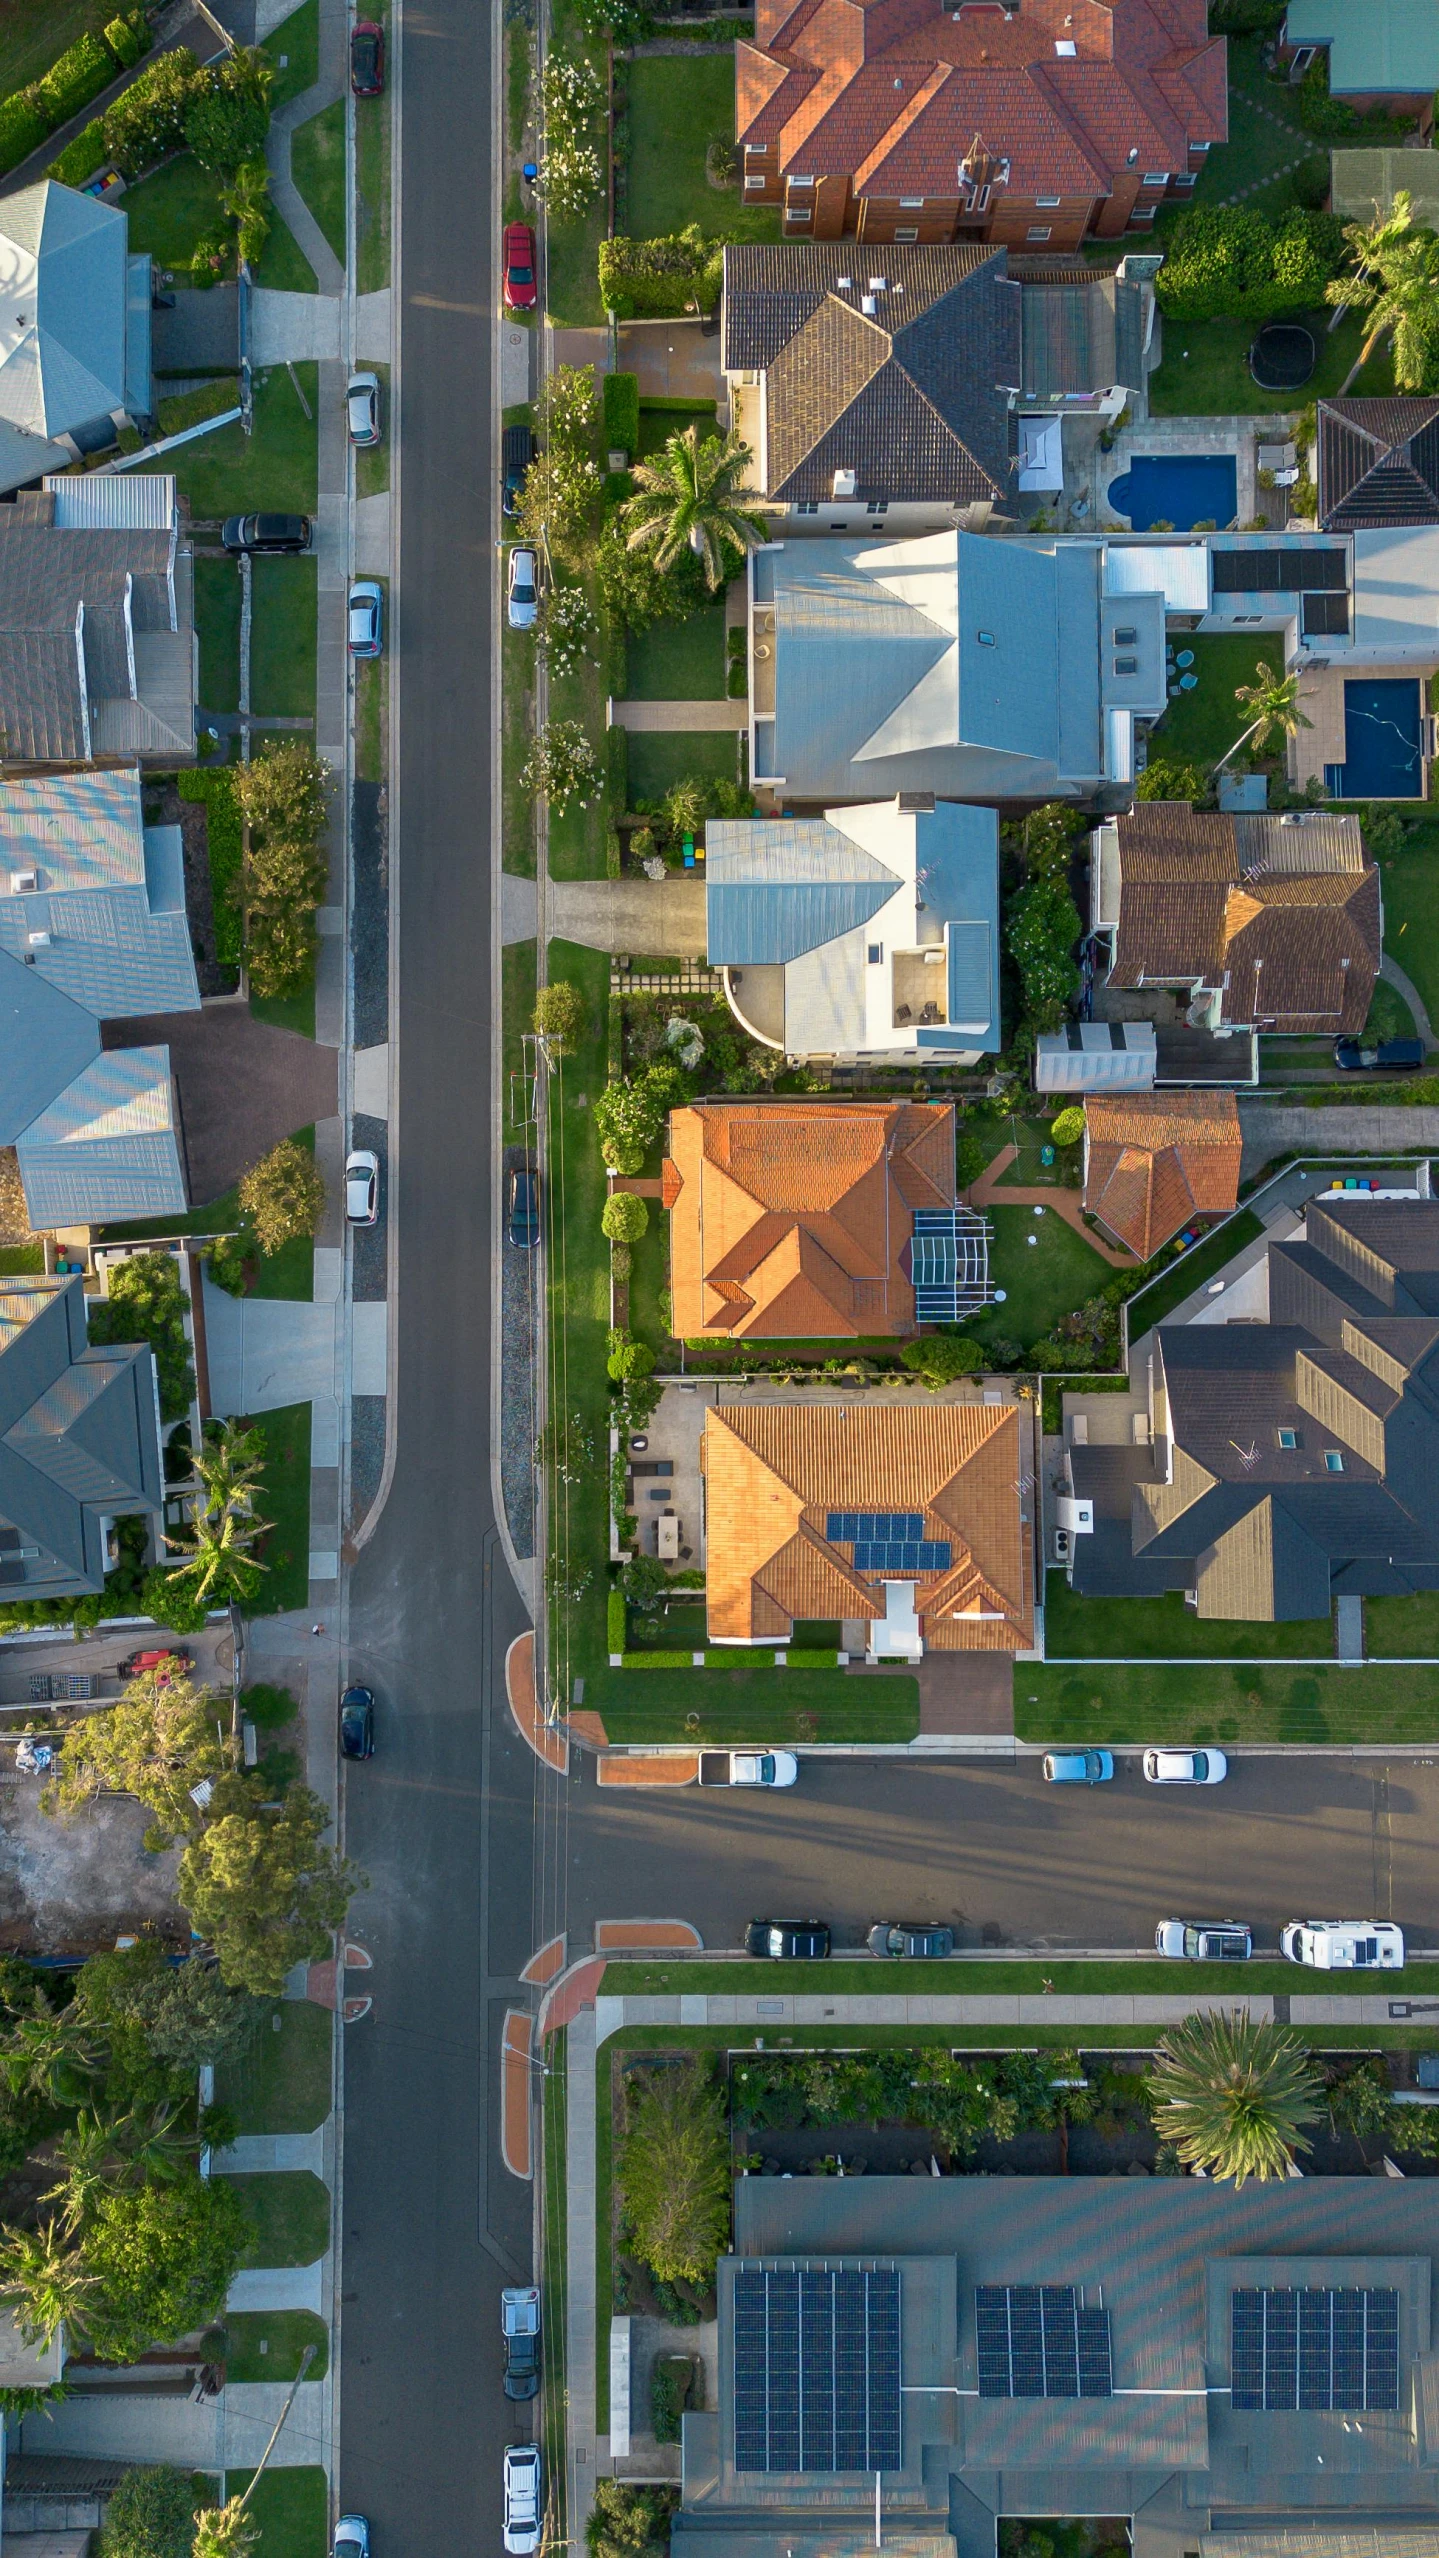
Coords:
845,483
23,883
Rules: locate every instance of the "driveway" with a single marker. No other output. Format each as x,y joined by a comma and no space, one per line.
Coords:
1341,1128
243,1085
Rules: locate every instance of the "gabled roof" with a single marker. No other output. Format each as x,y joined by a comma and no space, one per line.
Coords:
776,1475
1387,45
1154,1160
77,608
107,1146
793,1219
63,280
1378,463
79,1440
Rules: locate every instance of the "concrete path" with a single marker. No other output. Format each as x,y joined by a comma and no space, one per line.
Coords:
280,2287
373,327
520,908
294,328
1393,975
651,916
289,203
271,2154
1344,1128
580,2339
694,718
267,1351
228,2432
372,535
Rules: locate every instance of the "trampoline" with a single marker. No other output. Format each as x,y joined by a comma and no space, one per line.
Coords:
1182,489
1282,356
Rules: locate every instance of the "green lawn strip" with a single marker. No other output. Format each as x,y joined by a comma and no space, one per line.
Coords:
516,710
604,2250
292,2508
517,90
288,1012
1073,1977
1042,1280
662,756
1155,1303
372,179
1205,371
738,1706
660,419
676,108
217,620
518,960
298,39
554,2265
283,266
276,467
1164,1629
285,1501
168,212
317,165
1406,1628
372,461
680,661
1410,883
34,33
282,2083
283,2334
289,2216
577,835
370,699
572,248
649,1275
577,1275
283,629
1218,1980
19,1260
1146,1701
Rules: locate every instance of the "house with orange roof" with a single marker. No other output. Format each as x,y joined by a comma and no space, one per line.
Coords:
913,1520
1154,1160
810,1220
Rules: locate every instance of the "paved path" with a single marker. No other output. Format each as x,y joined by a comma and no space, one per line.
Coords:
289,203
271,2154
292,328
655,917
1393,975
987,1192
691,718
228,2432
1341,1127
280,2287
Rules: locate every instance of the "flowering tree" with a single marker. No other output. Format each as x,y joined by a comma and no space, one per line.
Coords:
566,626
562,764
570,172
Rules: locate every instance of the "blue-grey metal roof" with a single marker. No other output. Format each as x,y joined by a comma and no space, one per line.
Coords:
773,890
45,1041
79,1439
1008,647
139,285
107,1145
109,892
63,308
1078,573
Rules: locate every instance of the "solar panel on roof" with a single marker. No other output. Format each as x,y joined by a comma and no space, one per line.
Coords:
1316,2347
816,2368
1039,2340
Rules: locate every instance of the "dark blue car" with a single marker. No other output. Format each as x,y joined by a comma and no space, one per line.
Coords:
357,1724
524,1213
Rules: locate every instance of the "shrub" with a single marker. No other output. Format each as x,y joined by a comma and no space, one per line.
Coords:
81,73
1044,926
1160,780
224,127
23,127
676,2382
147,123
283,1196
941,1357
629,2522
146,1303
128,38
628,1358
562,765
626,22
283,797
661,279
624,1217
171,1601
560,1014
673,2173
1068,1127
150,2515
1233,263
621,411
81,158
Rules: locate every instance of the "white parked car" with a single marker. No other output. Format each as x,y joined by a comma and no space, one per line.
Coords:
1185,1767
1344,1945
362,1187
524,2510
352,2537
748,1767
524,589
1204,1940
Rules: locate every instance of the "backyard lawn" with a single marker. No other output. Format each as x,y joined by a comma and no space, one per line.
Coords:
282,639
1164,1629
1041,1280
217,620
282,2083
1254,1701
1190,1271
736,1706
289,2216
168,211
1411,909
1200,726
679,661
267,2344
291,2507
1205,371
662,756
317,164
277,466
1403,1628
677,107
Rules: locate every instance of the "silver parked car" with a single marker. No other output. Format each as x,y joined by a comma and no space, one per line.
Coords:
362,1187
1204,1940
362,408
1185,1767
524,589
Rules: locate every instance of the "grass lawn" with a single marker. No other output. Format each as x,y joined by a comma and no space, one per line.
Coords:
649,1274
285,1502
282,638
577,1274
298,39
677,107
1389,1016
1042,1281
372,461
1164,1629
573,274
1201,725
370,696
660,420
372,180
20,1260
1191,1271
1403,1627
317,164
679,661
34,33
266,2344
519,1003
217,620
283,265
663,756
1215,380
168,212
577,836
282,2083
1411,909
517,805
276,467
289,2216
1258,1702
956,1978
554,2252
288,1012
292,2508
736,1706
288,1273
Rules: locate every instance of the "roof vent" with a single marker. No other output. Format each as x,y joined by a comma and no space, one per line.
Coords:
23,883
868,305
38,940
843,283
845,483
877,284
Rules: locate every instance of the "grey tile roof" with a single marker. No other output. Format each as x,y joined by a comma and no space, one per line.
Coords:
79,1439
113,905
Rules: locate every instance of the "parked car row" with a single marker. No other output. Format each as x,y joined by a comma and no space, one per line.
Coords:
1323,1945
1161,1767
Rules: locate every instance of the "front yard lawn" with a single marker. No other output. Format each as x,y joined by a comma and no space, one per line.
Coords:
291,2507
288,1012
1389,1016
298,39
168,211
659,757
277,466
267,2344
284,601
1042,1280
285,1502
516,707
217,620
1403,1628
677,107
289,2216
711,1707
679,661
1202,725
282,2083
317,165
1251,1702
1164,1629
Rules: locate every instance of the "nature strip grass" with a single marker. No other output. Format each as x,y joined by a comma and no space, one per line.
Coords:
1071,1976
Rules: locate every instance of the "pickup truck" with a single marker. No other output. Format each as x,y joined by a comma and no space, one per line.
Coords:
748,1767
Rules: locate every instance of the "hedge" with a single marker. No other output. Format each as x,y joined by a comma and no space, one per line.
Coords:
128,38
660,279
615,1625
87,67
617,768
216,793
78,76
1232,263
22,128
659,1661
621,409
81,158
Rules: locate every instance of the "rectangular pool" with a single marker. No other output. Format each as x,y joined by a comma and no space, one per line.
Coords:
1383,740
1181,489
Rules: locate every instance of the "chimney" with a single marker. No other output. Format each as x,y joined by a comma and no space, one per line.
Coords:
845,483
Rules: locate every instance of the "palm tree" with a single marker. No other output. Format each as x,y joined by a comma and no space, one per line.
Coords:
46,2280
246,199
48,2055
1233,2096
690,496
1395,281
1274,701
223,1526
254,71
229,1463
226,2531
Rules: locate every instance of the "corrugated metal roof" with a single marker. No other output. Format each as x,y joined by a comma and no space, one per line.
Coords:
974,977
119,502
45,1041
63,292
1388,45
775,889
78,830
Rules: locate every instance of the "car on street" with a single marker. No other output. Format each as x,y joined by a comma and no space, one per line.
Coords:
1078,1767
524,589
177,1656
1185,1767
517,452
524,2510
367,59
366,618
362,1187
267,536
520,2327
787,1940
1381,1057
920,1943
352,2537
522,1222
1204,1940
521,291
1344,1945
362,408
748,1767
357,1724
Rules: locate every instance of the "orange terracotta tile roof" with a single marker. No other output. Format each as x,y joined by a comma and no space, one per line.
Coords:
1154,1160
792,1220
776,1472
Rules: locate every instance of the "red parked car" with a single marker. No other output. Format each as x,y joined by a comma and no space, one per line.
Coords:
176,1655
367,59
521,293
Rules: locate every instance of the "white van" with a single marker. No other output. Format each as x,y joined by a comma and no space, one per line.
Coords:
1344,1945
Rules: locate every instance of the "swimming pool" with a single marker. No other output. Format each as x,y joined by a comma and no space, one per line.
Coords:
1383,734
1182,489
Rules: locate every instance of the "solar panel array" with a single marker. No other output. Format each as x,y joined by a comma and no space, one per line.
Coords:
1038,2340
816,2368
888,1541
1314,2348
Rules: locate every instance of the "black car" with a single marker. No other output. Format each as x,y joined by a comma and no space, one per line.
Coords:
357,1724
263,535
787,1940
922,1944
1384,1057
518,452
523,1223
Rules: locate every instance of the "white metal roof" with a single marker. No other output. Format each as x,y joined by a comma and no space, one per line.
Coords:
1178,570
104,501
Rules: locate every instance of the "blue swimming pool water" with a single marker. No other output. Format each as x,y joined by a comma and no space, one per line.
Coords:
1182,489
1382,741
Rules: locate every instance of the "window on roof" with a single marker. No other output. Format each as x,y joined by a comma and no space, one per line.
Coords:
1066,48
1333,1461
1038,231
1289,1438
1125,638
1126,666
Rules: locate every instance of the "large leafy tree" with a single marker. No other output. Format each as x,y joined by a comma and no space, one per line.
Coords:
1274,700
1234,2096
284,799
159,1742
690,498
262,1888
1395,283
283,1196
629,2522
163,2258
674,2174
